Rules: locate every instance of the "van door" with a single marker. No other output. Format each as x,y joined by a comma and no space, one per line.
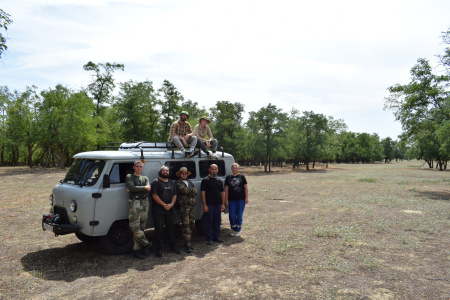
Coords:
112,202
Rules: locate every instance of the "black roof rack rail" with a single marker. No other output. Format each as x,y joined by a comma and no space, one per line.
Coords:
147,145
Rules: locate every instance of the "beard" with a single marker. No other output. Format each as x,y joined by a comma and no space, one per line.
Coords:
213,175
164,175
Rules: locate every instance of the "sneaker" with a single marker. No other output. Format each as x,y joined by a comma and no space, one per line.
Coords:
218,240
192,154
209,242
233,233
237,234
187,154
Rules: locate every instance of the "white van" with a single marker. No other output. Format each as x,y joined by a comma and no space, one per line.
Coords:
92,201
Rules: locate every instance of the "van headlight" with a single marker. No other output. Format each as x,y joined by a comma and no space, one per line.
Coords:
50,199
73,206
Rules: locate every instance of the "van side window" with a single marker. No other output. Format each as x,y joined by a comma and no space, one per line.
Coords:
174,167
203,166
120,171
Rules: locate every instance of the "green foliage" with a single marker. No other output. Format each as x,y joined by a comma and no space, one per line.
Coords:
422,108
66,126
227,128
102,82
170,107
5,21
50,127
268,125
136,109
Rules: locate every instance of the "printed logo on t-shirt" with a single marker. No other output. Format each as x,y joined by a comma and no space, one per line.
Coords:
235,184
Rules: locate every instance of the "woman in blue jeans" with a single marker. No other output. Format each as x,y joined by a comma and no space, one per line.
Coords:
236,196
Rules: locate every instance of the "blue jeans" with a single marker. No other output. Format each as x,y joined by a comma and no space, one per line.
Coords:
212,220
236,210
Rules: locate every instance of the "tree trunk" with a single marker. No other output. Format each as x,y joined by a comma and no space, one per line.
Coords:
62,158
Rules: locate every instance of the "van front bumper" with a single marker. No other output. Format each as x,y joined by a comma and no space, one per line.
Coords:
50,223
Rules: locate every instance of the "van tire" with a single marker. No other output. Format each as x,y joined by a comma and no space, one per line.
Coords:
85,238
119,239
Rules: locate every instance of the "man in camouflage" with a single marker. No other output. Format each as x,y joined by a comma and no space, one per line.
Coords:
186,191
139,187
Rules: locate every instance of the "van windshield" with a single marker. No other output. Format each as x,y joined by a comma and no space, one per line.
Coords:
84,172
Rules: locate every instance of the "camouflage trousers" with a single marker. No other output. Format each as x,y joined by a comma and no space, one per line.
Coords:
138,213
187,223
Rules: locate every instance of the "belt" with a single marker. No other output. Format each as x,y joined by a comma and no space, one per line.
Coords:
138,197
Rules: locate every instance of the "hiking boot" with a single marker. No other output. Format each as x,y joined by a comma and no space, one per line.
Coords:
146,248
175,250
209,242
188,249
158,253
138,254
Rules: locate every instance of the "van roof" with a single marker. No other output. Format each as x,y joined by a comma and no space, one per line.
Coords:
136,155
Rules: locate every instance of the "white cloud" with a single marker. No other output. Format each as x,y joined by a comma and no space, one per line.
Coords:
332,57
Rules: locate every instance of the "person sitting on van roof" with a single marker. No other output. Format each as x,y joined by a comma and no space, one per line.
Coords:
201,130
181,134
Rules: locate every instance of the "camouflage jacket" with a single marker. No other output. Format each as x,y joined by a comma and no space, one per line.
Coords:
186,194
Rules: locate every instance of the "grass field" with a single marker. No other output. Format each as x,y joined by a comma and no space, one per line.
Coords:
352,231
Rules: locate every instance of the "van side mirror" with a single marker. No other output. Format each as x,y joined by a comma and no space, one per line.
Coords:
106,181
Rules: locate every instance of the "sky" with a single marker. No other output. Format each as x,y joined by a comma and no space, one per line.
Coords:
335,58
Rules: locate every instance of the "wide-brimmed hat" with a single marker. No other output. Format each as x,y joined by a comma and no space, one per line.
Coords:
184,112
204,118
183,169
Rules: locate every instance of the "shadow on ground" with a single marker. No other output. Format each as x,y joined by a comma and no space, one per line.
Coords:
435,195
81,260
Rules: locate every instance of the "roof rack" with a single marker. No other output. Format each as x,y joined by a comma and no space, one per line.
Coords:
141,145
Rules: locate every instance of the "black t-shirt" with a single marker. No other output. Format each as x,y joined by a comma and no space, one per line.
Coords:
213,188
165,192
236,190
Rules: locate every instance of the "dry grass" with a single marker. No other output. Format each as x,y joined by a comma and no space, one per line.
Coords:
377,231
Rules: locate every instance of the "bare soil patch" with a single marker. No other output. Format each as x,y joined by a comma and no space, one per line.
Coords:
376,231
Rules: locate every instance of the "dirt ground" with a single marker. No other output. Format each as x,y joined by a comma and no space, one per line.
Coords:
350,231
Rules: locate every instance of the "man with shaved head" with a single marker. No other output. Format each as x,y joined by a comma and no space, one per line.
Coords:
213,198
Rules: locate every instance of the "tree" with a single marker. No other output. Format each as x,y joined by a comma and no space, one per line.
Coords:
103,82
313,130
227,128
388,149
5,97
269,123
137,111
66,125
445,58
170,107
421,107
5,21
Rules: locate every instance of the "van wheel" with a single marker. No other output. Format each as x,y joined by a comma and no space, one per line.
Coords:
200,227
119,239
85,238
